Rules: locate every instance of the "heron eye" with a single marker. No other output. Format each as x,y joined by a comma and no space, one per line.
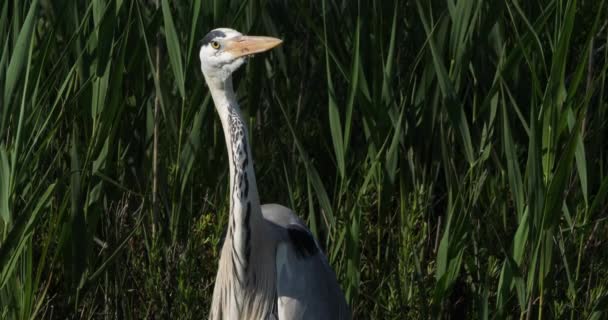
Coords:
215,45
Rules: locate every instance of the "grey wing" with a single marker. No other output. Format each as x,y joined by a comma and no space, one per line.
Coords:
306,285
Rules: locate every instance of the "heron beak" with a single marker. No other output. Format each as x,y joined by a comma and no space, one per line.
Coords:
248,45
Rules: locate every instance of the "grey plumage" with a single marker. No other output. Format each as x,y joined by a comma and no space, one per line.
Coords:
306,284
271,267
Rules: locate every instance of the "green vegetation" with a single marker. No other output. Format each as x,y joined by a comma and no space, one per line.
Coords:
449,155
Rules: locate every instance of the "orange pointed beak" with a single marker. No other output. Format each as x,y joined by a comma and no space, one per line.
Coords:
248,45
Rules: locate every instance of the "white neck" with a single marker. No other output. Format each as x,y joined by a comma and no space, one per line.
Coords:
245,213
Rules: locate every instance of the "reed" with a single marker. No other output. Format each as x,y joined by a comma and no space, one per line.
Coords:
450,156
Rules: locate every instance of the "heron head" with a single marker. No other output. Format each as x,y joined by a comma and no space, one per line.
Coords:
224,50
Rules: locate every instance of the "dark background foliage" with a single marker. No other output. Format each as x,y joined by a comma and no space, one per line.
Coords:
449,155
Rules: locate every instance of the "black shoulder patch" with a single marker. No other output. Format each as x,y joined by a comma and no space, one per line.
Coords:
302,240
210,36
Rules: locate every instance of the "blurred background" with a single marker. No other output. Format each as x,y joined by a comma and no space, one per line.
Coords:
450,156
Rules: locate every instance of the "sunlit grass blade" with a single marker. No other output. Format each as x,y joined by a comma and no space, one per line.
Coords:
12,249
353,87
335,123
18,61
173,48
513,171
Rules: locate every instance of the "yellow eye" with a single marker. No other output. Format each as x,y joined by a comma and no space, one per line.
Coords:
215,45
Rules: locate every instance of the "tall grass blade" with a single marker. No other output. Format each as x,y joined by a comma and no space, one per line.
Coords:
18,61
173,48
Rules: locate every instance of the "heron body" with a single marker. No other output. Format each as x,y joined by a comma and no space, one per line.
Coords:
270,265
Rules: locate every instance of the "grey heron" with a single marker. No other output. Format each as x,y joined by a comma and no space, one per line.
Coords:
270,265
